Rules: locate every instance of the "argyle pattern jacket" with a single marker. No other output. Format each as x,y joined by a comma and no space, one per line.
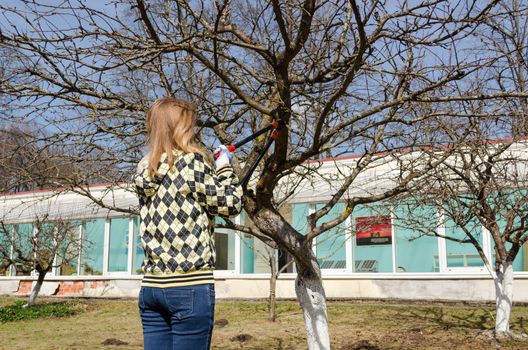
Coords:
177,210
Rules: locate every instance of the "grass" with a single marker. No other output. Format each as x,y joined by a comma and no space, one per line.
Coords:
17,311
115,324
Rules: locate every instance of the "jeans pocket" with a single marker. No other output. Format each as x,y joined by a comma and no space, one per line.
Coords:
180,302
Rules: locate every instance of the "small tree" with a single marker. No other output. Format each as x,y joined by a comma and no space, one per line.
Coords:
482,189
49,245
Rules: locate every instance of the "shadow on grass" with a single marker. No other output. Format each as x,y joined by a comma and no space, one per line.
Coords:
446,319
479,319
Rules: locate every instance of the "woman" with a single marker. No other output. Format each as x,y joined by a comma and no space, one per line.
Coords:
179,195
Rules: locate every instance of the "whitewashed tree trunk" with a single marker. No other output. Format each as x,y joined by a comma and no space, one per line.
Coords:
504,299
311,296
36,289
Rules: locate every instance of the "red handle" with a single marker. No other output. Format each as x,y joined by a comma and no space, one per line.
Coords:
230,148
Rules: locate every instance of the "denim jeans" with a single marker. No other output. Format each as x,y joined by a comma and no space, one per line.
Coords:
178,317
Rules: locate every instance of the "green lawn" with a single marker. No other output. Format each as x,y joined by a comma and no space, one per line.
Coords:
353,325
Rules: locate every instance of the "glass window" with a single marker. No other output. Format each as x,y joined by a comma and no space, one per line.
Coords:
247,246
372,246
299,214
24,233
68,255
519,263
118,250
462,254
225,249
330,245
248,253
415,250
139,253
93,243
224,243
6,233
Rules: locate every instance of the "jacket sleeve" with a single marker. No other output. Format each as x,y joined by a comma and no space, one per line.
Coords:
219,192
145,186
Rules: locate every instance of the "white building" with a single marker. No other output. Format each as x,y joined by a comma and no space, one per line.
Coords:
354,266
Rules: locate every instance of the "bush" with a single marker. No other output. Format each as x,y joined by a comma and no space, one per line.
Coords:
17,312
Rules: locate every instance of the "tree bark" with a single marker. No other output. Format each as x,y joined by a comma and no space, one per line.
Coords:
36,289
272,306
312,298
504,298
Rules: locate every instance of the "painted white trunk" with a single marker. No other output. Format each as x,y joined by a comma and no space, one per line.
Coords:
36,290
504,298
311,296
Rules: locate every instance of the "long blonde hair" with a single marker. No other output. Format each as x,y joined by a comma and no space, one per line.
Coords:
170,126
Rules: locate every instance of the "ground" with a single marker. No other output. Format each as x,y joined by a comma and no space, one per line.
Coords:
358,325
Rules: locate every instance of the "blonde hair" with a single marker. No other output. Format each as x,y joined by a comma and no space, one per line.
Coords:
170,126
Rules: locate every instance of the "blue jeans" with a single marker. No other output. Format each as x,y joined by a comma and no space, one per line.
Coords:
178,317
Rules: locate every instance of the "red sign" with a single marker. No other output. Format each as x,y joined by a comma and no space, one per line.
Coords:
373,230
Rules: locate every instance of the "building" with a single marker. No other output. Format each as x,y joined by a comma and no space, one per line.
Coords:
355,262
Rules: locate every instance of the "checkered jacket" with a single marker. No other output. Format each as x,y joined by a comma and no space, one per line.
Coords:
177,213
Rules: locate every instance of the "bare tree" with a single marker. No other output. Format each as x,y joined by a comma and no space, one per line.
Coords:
482,188
480,191
340,76
49,244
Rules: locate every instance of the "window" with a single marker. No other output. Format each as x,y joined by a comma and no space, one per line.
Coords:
372,244
118,250
139,253
248,251
24,234
416,245
67,259
6,250
463,255
93,243
330,245
225,249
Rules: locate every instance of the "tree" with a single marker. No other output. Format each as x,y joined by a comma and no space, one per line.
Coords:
482,189
49,244
341,77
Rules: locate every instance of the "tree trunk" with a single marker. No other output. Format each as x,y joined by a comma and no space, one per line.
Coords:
272,303
311,296
504,299
36,289
273,298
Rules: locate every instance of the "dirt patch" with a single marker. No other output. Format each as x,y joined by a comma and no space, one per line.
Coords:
113,341
242,338
221,323
360,345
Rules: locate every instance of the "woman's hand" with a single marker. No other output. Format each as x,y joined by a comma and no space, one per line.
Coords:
224,157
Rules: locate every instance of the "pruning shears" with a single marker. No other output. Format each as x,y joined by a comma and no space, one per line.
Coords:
273,135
